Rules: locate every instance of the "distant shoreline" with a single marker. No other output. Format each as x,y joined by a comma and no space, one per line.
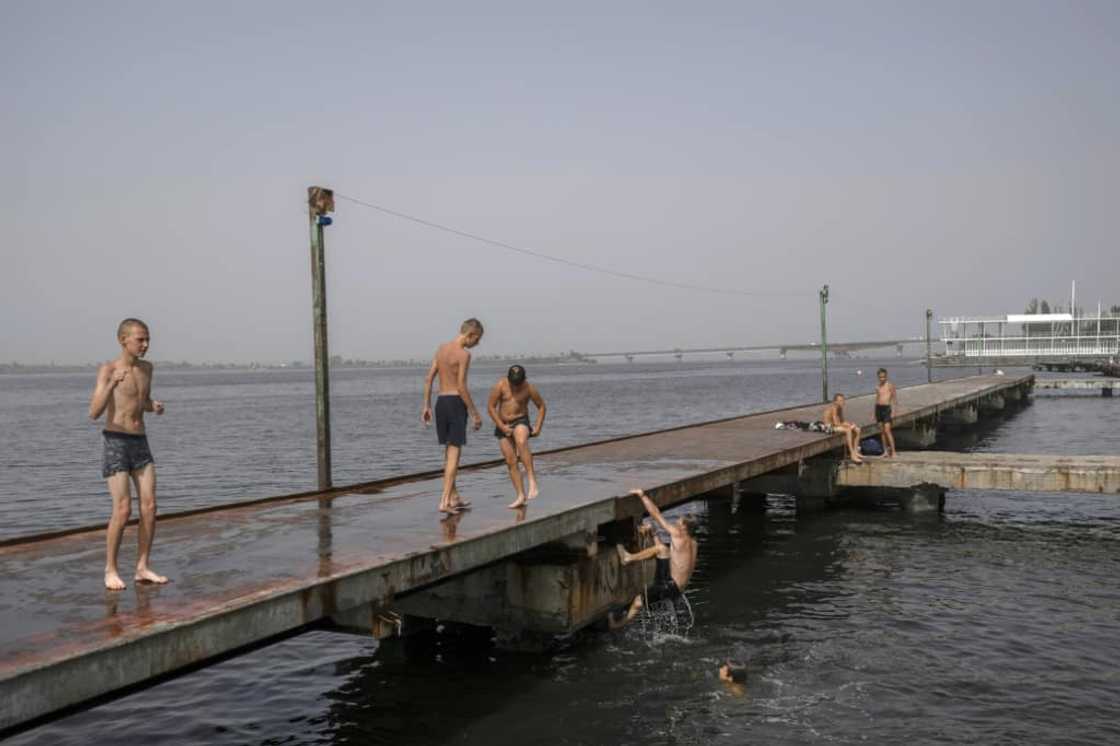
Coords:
336,364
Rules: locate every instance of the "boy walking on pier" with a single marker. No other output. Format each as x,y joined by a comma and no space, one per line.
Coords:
509,409
451,363
123,393
886,399
834,417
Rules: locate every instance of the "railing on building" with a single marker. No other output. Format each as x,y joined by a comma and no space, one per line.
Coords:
1032,335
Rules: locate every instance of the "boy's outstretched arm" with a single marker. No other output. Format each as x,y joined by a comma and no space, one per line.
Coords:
651,508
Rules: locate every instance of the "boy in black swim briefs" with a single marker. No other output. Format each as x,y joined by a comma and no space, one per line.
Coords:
123,394
509,409
886,399
451,364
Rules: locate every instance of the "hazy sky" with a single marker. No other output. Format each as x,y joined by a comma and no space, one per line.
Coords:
156,155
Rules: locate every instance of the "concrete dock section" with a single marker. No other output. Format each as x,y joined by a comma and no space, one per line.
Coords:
244,575
986,471
1103,386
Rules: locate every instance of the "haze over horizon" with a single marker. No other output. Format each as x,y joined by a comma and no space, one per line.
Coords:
958,156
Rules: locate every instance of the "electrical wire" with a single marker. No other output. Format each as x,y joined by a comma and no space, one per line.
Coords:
561,260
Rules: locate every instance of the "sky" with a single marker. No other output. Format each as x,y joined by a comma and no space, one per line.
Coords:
960,156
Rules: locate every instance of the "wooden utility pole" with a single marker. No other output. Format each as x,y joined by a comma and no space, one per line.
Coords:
320,202
824,345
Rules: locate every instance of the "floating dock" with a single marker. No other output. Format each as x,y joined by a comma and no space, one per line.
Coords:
245,575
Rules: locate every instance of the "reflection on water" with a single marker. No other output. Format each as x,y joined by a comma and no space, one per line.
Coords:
995,622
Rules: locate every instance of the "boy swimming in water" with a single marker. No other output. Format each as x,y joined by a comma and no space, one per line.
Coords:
123,394
451,363
509,409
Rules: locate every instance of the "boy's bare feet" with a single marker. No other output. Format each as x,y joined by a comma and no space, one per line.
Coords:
533,490
147,576
113,581
519,502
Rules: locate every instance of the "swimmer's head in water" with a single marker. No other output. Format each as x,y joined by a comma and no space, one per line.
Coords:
516,375
472,330
733,671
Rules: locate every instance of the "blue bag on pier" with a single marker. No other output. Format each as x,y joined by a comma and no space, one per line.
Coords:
871,446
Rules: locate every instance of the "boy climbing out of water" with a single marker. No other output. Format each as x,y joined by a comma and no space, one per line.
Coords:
451,364
675,560
509,409
123,394
834,417
886,399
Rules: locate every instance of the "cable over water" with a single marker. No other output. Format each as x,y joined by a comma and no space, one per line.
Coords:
568,262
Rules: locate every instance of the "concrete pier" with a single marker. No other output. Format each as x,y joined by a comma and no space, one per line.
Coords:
986,471
370,555
1105,386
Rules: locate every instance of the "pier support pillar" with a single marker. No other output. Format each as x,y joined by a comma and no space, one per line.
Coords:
920,436
752,502
966,415
553,590
923,498
993,403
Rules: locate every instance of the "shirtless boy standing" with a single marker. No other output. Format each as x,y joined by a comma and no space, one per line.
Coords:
834,417
451,363
123,393
509,409
886,399
675,561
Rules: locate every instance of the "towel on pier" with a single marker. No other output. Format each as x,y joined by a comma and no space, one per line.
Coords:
816,426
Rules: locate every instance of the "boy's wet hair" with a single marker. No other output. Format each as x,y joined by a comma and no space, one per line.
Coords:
128,325
690,524
737,671
516,374
836,396
881,370
471,325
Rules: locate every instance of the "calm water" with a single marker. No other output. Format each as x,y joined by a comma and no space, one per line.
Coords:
996,622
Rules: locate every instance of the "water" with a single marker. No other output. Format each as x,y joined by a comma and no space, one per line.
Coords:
996,622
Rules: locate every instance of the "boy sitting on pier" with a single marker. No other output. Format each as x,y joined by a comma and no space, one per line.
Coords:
675,561
834,417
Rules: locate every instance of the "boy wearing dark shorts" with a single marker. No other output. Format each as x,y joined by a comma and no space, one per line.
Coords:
886,399
123,394
451,364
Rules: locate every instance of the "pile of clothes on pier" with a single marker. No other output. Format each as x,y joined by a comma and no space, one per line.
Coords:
816,426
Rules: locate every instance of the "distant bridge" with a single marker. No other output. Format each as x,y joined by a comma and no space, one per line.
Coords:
842,349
